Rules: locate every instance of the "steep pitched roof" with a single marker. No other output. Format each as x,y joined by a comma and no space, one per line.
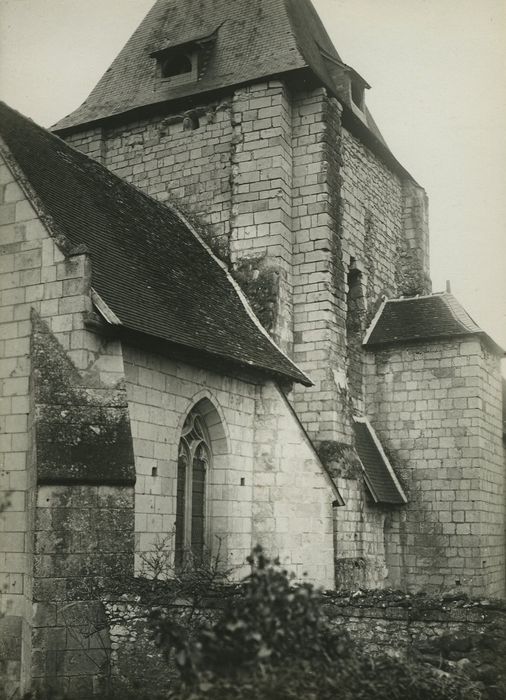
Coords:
379,475
422,318
248,40
148,265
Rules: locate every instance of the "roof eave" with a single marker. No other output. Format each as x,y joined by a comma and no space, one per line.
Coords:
490,343
350,120
192,356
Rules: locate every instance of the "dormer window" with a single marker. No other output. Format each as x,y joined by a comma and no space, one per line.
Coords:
357,94
175,63
186,62
357,89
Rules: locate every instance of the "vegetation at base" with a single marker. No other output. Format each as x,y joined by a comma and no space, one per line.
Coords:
275,643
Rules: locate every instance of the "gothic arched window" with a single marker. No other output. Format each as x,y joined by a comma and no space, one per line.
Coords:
194,461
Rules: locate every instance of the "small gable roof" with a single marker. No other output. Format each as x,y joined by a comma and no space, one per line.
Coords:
436,316
148,265
250,40
379,474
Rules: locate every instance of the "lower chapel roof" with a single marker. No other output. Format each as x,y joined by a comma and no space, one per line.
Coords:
435,316
148,265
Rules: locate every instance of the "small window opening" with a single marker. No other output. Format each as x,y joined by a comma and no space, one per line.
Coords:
355,312
357,94
154,471
176,64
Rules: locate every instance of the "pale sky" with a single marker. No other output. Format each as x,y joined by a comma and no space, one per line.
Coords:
438,74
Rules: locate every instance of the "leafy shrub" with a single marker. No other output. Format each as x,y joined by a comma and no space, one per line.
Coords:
273,643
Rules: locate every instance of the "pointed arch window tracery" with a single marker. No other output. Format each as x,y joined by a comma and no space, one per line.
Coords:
194,461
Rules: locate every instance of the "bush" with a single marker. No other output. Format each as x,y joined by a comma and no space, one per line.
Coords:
274,643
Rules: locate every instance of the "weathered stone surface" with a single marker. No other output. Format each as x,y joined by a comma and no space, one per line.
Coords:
78,439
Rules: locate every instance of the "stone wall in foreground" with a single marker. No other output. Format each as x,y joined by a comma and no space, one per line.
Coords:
451,632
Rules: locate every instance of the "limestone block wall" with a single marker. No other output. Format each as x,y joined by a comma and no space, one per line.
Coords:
293,495
264,472
436,408
261,179
34,275
83,536
166,160
360,542
161,393
319,305
295,201
371,217
83,531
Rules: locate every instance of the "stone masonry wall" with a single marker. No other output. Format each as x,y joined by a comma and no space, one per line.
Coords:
436,408
167,161
264,472
34,275
292,198
293,496
360,541
319,305
261,179
298,203
303,197
83,535
161,393
371,224
83,532
450,632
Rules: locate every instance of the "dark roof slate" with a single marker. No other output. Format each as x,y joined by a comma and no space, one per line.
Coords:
382,484
422,318
254,39
147,264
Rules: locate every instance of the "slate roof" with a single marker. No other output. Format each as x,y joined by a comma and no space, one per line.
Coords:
379,475
253,39
148,266
422,318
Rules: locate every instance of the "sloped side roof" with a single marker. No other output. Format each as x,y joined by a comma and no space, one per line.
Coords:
253,39
147,264
379,475
419,318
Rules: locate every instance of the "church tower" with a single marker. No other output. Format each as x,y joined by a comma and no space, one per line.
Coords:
245,116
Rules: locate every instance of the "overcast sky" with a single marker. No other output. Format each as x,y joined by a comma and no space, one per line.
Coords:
438,74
